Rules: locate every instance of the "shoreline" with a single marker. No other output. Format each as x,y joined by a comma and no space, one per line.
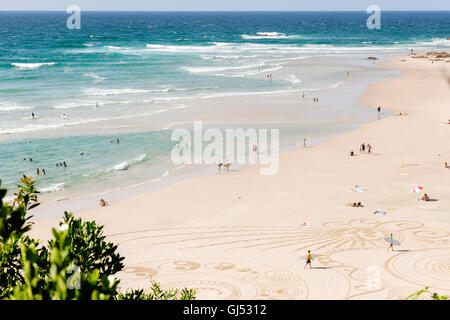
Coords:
246,220
352,118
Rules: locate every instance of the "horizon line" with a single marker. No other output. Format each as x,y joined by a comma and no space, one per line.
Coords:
286,11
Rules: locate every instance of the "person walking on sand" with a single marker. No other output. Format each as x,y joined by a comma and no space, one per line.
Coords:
304,143
308,260
362,148
391,243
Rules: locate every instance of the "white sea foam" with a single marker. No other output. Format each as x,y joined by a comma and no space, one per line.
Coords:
107,92
112,47
441,42
268,35
55,125
333,86
12,106
215,69
293,79
52,188
70,105
248,73
127,164
31,65
94,76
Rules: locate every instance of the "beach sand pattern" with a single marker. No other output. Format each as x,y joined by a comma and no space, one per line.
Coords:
220,279
234,279
426,267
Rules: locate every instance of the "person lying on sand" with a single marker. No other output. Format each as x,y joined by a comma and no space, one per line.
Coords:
103,203
354,204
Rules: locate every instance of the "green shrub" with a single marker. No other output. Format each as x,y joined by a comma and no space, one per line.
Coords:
433,296
88,248
77,264
63,281
156,293
14,223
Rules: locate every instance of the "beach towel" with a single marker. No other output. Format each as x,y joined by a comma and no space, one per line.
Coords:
358,189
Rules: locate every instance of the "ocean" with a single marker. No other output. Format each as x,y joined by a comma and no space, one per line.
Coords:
137,75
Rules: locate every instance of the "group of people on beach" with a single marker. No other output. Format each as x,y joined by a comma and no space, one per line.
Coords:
362,149
226,166
365,147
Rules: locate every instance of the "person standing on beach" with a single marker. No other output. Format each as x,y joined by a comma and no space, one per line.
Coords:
304,143
362,148
308,260
219,166
391,243
379,109
32,115
369,148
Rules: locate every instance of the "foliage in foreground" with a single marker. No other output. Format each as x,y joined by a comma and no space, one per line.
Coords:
433,296
77,264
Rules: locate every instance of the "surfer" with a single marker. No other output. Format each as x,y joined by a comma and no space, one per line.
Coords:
391,243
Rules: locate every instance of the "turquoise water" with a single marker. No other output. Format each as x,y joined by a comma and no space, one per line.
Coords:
155,66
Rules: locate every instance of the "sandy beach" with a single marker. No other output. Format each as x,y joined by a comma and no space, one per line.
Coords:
242,235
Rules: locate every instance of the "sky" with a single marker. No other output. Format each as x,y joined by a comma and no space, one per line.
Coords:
224,5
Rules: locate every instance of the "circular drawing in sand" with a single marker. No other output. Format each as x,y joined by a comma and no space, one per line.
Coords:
218,279
427,267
